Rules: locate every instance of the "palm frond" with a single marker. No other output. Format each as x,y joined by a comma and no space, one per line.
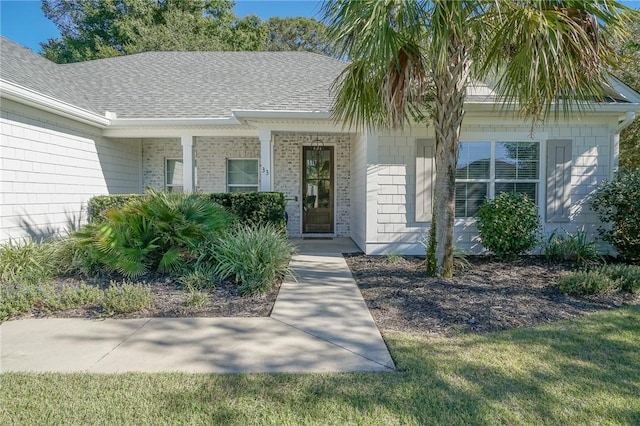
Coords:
551,56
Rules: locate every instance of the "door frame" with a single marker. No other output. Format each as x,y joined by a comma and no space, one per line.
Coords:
334,171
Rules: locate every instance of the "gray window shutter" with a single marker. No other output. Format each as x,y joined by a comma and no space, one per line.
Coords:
425,178
558,180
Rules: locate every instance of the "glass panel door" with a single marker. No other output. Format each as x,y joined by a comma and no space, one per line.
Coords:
317,190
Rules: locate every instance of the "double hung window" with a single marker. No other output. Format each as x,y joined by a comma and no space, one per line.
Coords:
242,175
486,169
173,175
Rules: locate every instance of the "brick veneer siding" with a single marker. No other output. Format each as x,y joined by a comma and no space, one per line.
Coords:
212,153
287,152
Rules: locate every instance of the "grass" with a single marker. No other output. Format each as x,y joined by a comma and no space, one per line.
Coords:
585,371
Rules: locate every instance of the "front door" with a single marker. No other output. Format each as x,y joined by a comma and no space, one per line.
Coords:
317,189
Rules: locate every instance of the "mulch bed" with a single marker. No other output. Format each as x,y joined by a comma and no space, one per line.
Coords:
171,301
488,296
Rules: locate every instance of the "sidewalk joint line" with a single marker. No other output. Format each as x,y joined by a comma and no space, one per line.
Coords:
334,344
118,345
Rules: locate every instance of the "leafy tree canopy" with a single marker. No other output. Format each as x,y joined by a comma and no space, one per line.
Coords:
94,29
297,34
629,73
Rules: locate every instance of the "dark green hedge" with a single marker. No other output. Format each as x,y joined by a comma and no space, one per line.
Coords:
101,203
256,207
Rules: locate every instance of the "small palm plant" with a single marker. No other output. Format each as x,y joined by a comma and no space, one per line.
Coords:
158,232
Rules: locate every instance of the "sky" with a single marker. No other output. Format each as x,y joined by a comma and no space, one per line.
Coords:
23,21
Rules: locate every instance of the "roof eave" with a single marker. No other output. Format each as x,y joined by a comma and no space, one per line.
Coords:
23,95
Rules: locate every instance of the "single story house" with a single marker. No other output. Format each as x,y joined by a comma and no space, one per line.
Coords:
260,121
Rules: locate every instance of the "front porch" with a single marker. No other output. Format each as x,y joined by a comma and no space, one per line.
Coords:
312,169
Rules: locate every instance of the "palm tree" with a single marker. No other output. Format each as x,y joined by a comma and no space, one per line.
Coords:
413,59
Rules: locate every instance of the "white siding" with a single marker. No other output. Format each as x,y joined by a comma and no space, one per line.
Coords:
358,190
51,166
396,228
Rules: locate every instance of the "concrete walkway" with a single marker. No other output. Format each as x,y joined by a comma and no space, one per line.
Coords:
319,324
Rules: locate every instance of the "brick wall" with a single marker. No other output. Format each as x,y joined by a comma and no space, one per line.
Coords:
287,153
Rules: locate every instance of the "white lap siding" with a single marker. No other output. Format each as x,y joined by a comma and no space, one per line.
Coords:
397,230
51,166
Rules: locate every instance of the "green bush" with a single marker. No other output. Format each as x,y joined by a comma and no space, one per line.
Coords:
569,247
73,296
27,262
587,283
617,202
19,298
627,276
159,232
254,207
126,297
254,256
199,276
100,204
508,225
73,257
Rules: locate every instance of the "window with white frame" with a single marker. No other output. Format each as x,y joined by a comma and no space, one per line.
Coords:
173,181
489,168
242,175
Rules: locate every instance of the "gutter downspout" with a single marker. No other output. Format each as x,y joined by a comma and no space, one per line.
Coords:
615,143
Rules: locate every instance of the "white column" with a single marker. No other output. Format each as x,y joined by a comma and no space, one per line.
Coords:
265,160
188,163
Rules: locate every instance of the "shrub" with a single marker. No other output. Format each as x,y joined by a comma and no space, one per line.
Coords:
569,247
72,257
254,207
508,224
587,283
198,277
254,256
618,202
161,231
126,297
19,298
100,204
196,298
627,276
28,262
73,296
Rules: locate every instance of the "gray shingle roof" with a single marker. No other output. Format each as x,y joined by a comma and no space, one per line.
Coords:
23,67
180,84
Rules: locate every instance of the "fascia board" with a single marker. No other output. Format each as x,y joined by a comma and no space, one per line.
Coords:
281,114
20,94
173,122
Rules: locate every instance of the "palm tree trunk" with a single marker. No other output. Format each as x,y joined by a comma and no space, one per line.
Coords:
450,92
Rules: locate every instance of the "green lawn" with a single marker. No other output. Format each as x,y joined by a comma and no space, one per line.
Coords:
585,371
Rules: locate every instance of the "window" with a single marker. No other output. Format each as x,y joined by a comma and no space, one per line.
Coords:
489,168
242,175
173,175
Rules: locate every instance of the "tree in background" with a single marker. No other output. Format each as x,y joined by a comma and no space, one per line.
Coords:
305,34
407,55
94,29
629,73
